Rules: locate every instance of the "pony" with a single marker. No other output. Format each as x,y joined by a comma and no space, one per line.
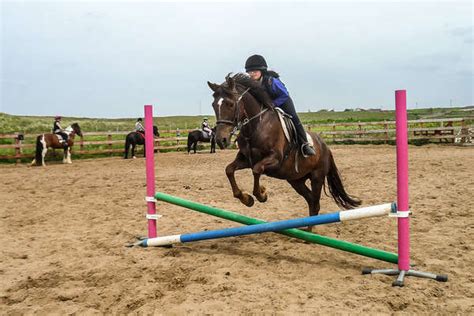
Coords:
136,138
241,104
198,136
49,140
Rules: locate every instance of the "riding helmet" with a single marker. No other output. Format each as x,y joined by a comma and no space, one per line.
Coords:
255,62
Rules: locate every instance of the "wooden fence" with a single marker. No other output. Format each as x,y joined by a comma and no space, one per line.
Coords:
449,130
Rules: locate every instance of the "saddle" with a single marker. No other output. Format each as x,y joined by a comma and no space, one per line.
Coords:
60,138
289,128
142,134
290,133
205,135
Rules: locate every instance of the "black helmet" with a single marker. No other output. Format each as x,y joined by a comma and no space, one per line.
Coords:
255,62
139,119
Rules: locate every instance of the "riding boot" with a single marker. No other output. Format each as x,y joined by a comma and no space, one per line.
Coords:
306,148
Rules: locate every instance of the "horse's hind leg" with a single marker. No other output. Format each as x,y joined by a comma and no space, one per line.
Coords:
133,152
240,162
317,182
43,154
300,187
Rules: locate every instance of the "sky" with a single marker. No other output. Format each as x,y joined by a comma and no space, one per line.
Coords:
109,58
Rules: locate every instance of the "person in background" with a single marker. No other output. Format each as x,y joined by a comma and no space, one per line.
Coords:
205,127
138,126
178,134
57,129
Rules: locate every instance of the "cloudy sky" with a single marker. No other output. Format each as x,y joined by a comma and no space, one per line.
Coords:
108,58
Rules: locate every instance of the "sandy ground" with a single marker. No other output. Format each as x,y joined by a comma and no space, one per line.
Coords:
64,227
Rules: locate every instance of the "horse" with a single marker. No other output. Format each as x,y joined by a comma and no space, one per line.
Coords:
136,138
241,103
198,136
49,140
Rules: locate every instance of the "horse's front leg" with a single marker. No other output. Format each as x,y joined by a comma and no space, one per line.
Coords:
259,191
240,162
67,155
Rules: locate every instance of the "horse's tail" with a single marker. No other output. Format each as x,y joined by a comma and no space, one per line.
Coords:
39,151
127,145
190,142
336,188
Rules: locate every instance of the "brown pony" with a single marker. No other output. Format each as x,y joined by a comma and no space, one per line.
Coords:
45,141
242,104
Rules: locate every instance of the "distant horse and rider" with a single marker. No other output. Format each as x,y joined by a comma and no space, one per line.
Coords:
202,135
63,139
242,105
137,138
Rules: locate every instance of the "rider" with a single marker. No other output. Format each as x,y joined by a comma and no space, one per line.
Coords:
205,127
57,129
138,126
256,67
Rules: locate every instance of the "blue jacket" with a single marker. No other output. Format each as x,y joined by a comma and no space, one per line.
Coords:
278,91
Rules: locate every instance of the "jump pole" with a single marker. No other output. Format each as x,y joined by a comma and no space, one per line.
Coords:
403,212
341,216
295,233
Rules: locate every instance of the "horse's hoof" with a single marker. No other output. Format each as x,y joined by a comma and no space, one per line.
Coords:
247,200
134,157
261,196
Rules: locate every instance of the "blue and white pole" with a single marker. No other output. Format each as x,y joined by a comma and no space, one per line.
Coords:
341,216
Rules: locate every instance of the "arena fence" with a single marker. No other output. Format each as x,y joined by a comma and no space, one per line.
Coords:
18,146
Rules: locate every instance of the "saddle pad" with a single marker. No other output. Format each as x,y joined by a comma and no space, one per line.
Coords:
283,124
310,139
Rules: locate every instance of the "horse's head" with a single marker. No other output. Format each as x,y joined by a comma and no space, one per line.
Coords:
155,131
76,129
227,109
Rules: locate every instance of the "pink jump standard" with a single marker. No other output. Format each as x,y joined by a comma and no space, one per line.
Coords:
402,201
150,172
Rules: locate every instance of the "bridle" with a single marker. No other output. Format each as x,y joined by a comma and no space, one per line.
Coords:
237,123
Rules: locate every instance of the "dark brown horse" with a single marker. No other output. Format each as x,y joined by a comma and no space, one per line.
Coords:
136,138
198,136
45,141
242,104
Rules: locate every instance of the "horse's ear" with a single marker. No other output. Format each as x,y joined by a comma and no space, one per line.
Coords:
230,82
213,86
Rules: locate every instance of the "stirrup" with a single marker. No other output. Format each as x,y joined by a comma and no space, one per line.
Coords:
307,150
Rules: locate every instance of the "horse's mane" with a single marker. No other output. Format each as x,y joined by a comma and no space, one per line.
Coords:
256,88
